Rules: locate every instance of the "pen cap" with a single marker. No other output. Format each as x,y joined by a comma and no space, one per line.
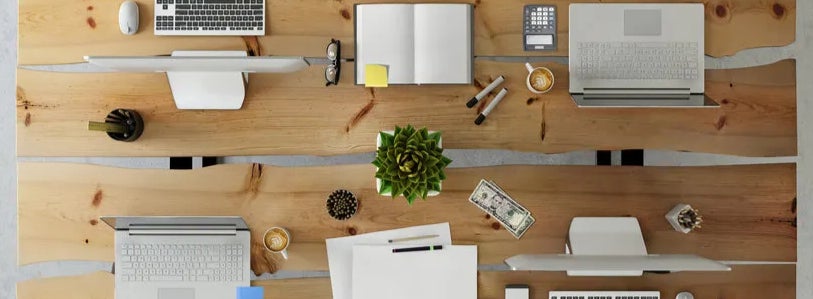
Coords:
480,119
472,102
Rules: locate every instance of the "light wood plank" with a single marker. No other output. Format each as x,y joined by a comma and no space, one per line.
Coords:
748,209
64,31
743,282
297,114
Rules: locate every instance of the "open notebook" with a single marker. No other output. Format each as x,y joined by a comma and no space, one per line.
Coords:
418,43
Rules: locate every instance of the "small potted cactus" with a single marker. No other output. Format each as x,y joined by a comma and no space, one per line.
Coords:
342,204
409,163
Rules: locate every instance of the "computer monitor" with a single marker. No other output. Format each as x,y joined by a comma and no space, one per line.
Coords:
220,63
609,246
204,79
613,265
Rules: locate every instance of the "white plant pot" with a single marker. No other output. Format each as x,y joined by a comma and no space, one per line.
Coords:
378,181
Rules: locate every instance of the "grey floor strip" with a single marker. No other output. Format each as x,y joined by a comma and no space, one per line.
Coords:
673,158
460,158
291,275
752,57
60,268
123,162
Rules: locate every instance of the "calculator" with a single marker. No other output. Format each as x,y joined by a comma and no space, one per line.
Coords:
539,28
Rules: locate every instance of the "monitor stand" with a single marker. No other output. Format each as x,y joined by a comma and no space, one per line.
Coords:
605,236
208,90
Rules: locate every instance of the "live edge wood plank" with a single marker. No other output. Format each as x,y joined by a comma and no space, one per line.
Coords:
743,282
296,114
64,31
748,210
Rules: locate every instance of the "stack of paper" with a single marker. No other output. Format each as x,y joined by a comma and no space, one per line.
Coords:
340,251
380,273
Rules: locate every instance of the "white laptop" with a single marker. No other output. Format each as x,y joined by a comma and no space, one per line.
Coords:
637,55
180,257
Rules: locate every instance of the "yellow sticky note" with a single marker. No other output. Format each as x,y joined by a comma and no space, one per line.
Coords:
375,75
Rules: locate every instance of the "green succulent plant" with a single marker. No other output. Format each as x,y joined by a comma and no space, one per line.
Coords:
410,163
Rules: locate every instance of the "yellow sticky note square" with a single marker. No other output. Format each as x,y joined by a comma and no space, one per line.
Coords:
375,75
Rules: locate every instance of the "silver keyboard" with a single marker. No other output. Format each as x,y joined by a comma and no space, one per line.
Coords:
209,17
180,262
637,60
604,295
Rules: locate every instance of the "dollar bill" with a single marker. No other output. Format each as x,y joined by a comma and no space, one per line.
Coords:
524,227
493,184
499,205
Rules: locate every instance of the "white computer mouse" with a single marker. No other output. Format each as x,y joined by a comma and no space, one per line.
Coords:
128,17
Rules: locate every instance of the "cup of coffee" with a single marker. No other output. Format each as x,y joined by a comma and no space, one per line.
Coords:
276,240
540,79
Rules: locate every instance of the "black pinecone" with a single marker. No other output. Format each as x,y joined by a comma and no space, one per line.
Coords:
341,204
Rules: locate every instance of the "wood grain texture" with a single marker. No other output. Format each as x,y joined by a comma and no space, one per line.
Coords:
743,282
748,210
297,114
64,31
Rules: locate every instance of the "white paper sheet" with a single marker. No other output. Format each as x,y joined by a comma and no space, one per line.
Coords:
379,273
385,35
443,43
340,251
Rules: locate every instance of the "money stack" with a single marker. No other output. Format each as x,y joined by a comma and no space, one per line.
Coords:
493,200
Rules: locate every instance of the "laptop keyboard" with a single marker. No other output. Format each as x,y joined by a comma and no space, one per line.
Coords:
637,60
181,262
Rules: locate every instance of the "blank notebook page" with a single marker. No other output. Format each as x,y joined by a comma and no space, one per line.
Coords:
385,35
443,43
378,273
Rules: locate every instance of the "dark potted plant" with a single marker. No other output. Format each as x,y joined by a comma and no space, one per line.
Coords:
410,163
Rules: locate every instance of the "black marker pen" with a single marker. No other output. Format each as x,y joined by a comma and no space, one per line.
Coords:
497,99
421,248
485,92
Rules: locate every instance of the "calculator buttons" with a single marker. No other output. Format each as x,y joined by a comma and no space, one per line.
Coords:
539,20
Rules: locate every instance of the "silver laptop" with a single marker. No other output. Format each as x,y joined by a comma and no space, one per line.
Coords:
180,257
637,55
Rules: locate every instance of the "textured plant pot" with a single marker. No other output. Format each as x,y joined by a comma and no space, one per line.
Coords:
378,181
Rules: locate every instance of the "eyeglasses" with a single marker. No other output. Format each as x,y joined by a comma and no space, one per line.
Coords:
334,50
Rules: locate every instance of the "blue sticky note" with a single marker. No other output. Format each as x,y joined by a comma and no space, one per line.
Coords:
250,292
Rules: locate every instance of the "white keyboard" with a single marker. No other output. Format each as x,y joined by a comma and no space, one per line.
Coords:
209,17
180,262
604,295
637,60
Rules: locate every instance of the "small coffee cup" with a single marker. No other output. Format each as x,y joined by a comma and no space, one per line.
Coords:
539,76
276,239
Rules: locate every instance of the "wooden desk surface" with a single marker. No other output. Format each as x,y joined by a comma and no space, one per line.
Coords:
296,114
749,211
64,31
743,282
